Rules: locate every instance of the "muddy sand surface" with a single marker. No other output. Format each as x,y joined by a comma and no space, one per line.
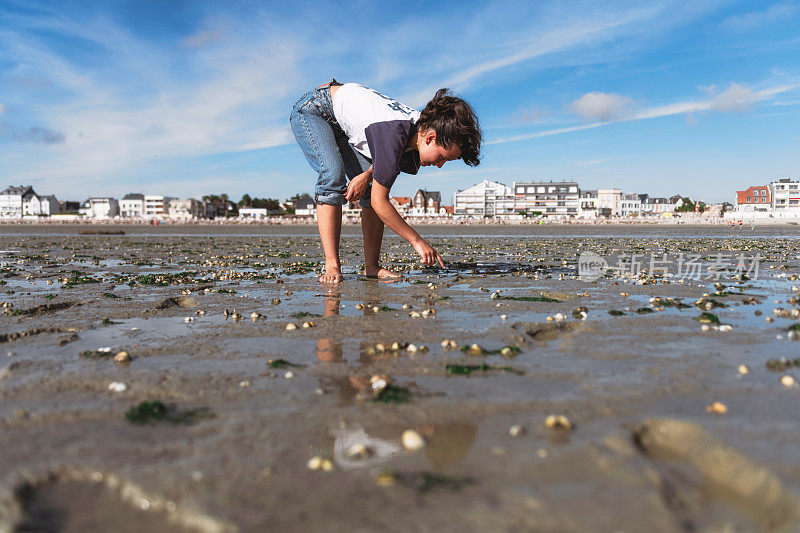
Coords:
558,403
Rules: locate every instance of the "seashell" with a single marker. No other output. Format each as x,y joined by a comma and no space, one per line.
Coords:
188,319
414,314
495,295
358,451
431,286
289,375
379,382
743,369
244,384
624,294
449,344
308,324
788,381
725,327
412,441
116,386
315,463
411,348
376,309
718,408
406,306
290,326
359,306
503,317
122,357
517,430
255,315
385,479
200,312
558,422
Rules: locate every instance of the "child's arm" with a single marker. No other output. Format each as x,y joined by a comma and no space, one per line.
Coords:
386,211
358,186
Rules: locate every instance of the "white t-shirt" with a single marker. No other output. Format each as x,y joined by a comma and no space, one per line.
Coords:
379,127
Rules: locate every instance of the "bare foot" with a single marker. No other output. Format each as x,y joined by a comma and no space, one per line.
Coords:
333,274
381,273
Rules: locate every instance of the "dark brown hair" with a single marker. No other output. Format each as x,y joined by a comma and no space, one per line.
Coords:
454,121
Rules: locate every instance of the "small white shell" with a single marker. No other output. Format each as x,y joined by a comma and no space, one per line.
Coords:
117,386
412,441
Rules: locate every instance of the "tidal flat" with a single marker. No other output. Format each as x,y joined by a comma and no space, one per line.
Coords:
505,392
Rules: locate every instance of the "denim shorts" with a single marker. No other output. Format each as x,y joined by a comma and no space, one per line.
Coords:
326,148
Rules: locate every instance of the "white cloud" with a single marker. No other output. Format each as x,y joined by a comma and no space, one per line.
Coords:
604,107
736,98
748,21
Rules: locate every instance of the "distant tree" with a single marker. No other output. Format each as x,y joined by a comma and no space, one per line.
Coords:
223,197
267,203
246,201
209,198
297,197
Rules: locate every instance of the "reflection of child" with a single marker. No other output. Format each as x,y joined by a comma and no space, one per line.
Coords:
350,131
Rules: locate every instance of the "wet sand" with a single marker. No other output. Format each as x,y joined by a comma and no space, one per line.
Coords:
643,452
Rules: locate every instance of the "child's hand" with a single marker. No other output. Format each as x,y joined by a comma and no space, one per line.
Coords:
427,254
357,187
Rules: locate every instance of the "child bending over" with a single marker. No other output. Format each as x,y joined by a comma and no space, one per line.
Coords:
350,131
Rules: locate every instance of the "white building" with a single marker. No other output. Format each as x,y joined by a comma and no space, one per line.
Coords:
100,207
12,200
631,205
785,195
485,199
610,201
186,209
587,204
253,213
658,206
156,205
551,199
132,206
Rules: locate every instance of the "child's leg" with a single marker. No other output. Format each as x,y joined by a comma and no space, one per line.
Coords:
372,228
329,220
317,139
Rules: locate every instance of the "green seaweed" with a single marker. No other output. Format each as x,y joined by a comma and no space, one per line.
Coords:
392,394
157,411
708,318
111,295
427,481
283,363
645,310
467,370
303,314
97,354
50,296
616,312
108,322
527,298
779,365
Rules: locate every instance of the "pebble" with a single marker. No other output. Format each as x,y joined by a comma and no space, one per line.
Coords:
289,375
244,384
517,430
414,314
122,357
788,381
718,408
725,327
200,312
358,451
743,369
412,348
412,441
503,317
291,327
116,386
255,315
188,319
378,382
449,344
315,463
385,479
406,306
558,422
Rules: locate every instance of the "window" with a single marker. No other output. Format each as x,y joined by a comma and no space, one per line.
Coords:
540,189
749,199
573,188
551,189
793,187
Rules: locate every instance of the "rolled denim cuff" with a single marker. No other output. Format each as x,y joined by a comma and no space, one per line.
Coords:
330,198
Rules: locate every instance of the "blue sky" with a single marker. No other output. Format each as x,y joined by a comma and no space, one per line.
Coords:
188,98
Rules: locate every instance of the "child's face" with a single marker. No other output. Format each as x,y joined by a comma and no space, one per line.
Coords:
431,153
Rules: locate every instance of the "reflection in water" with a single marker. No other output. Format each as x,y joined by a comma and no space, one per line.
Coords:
447,444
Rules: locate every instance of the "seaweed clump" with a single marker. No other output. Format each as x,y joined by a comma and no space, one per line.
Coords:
157,411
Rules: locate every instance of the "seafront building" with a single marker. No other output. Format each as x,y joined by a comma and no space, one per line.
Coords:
549,199
132,205
22,201
100,207
188,209
785,195
485,199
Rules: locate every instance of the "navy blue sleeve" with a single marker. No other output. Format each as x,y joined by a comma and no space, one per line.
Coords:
387,141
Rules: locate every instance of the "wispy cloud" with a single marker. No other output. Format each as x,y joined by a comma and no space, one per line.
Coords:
780,11
604,107
737,98
593,162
